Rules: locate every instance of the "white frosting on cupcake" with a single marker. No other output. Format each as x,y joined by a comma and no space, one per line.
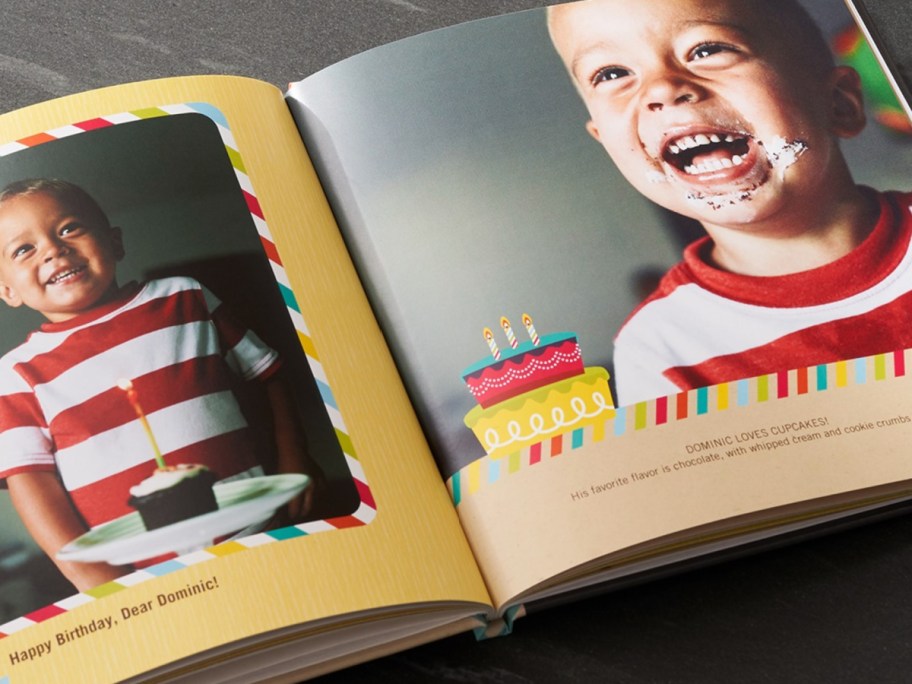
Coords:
164,478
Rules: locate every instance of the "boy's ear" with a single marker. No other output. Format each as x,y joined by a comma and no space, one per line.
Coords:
592,130
10,296
117,243
847,107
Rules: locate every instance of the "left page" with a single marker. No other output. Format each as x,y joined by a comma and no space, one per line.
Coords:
191,302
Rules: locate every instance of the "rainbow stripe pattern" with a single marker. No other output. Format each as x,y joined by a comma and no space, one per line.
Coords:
488,470
366,510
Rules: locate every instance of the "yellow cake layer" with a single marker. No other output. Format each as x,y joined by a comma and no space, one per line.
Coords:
543,413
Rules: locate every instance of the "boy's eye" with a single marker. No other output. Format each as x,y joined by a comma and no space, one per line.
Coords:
705,50
71,229
20,251
612,73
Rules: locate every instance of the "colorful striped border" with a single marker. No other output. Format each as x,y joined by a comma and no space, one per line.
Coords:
367,508
489,470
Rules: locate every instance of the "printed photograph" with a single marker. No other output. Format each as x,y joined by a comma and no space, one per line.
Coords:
679,194
154,396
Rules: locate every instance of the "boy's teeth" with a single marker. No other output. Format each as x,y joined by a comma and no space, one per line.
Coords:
689,142
61,276
713,165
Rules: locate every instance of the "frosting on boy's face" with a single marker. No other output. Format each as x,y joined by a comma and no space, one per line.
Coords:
54,259
710,108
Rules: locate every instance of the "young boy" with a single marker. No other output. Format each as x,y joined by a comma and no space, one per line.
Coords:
730,112
69,447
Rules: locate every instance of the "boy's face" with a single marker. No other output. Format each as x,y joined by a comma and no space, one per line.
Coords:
54,259
712,108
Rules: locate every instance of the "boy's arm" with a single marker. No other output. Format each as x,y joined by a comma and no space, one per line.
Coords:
48,515
291,445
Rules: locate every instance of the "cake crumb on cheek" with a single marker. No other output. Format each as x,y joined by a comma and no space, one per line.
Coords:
716,202
656,177
780,155
783,153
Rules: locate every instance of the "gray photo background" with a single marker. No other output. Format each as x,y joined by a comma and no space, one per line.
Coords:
468,189
168,184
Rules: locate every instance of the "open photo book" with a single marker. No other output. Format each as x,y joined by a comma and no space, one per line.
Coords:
469,324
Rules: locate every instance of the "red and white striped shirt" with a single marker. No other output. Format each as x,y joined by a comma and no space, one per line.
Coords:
60,407
703,326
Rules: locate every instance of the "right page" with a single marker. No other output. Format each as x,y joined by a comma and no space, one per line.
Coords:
645,273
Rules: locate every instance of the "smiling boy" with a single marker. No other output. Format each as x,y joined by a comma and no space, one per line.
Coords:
69,446
730,112
54,261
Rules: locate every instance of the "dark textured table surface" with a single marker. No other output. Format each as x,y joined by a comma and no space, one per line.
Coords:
834,609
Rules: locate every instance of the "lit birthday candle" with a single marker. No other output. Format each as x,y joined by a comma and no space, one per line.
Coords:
489,338
127,387
508,331
530,328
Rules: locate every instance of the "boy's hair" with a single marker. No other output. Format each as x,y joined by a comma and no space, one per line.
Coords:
66,193
792,18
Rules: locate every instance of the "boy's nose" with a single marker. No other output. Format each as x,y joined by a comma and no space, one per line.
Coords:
670,90
55,248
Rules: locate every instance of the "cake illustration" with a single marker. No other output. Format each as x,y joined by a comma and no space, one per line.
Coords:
535,390
174,493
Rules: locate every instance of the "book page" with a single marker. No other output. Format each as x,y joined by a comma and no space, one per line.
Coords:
882,29
195,304
515,237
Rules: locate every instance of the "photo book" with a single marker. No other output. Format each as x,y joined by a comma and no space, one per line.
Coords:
469,324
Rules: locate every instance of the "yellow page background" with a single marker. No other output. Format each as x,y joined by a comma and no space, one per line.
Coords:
572,508
413,551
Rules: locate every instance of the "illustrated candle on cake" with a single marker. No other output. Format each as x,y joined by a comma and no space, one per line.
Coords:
533,391
171,493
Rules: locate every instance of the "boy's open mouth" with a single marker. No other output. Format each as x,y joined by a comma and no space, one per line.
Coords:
63,276
699,154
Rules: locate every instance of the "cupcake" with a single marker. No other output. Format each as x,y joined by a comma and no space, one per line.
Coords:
172,494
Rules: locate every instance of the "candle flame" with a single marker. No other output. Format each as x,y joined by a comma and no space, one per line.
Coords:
125,384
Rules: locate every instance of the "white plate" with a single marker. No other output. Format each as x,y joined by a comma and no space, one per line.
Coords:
242,503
